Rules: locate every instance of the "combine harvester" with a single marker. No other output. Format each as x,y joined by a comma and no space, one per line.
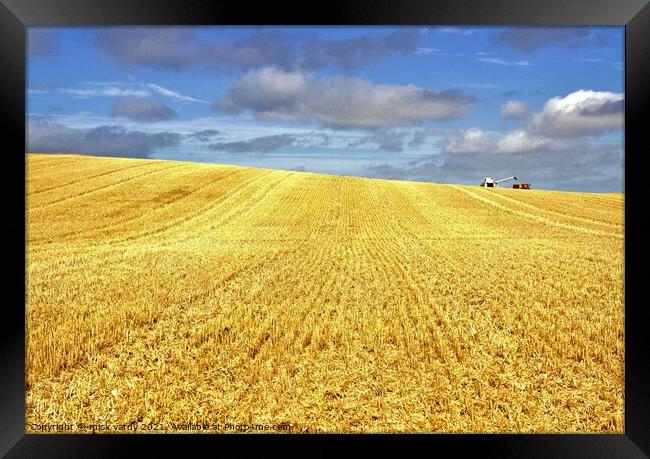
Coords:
491,183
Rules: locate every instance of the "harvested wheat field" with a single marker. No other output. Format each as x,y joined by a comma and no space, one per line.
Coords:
165,294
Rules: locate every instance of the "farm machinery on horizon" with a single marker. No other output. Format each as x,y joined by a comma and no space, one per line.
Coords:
489,182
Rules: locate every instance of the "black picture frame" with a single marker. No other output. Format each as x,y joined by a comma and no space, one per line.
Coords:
16,15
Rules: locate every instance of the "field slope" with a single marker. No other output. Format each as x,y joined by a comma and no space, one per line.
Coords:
172,292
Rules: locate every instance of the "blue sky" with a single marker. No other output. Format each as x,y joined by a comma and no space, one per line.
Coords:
439,104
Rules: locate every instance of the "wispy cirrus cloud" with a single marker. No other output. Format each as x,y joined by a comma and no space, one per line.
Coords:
455,30
108,91
616,64
591,60
491,60
436,52
530,39
116,89
173,94
427,50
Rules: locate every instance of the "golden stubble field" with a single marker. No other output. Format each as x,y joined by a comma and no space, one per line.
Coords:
166,292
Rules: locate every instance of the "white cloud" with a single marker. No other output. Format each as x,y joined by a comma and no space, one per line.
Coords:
339,102
473,140
520,141
514,109
580,113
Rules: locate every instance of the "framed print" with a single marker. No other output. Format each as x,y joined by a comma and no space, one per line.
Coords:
420,220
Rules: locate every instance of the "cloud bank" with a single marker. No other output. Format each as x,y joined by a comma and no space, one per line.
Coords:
45,136
257,145
182,49
204,135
